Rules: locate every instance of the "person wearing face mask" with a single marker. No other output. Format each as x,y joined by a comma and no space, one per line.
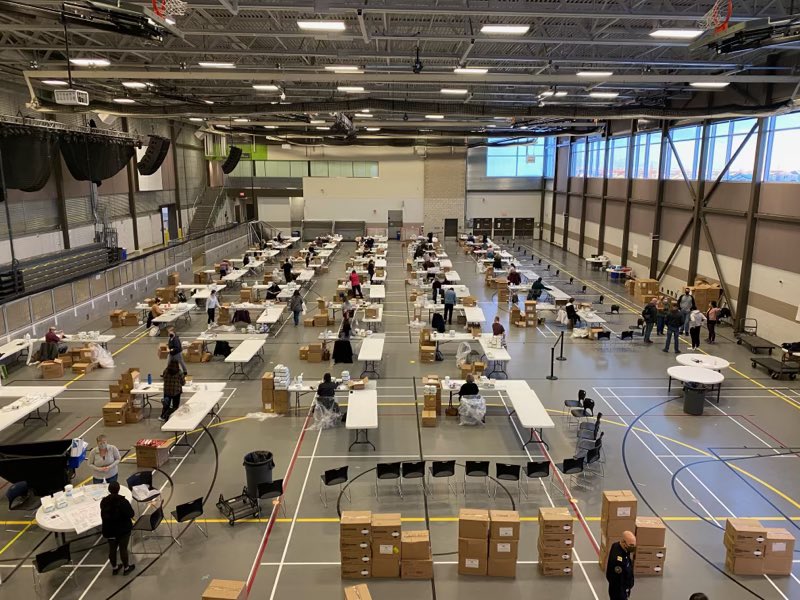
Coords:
104,461
176,350
687,305
619,569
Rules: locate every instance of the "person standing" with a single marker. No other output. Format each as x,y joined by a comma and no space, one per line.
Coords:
437,288
174,380
661,317
104,461
687,305
712,317
223,268
674,324
287,270
514,278
371,270
449,305
696,320
116,514
619,569
296,306
650,315
176,350
497,327
211,307
355,283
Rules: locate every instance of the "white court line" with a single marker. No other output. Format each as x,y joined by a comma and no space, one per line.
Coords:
436,562
415,456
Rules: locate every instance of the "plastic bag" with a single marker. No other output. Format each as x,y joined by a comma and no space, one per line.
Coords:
580,333
102,356
153,331
304,308
472,410
462,353
326,418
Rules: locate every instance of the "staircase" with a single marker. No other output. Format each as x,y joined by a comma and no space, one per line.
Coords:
206,207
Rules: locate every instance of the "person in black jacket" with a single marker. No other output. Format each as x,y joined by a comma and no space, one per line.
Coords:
287,270
619,569
674,324
116,513
650,315
437,288
176,350
497,263
469,388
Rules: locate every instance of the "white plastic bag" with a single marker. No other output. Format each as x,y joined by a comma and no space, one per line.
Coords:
580,333
472,410
462,353
325,418
102,356
153,331
304,308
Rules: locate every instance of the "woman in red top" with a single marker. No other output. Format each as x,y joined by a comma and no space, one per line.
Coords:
355,281
712,316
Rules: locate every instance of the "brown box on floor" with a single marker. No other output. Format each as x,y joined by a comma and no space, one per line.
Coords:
387,527
416,569
744,566
473,556
280,402
151,456
648,568
555,520
556,569
355,525
429,402
503,549
473,523
129,379
133,415
501,567
303,352
356,571
131,320
66,359
117,318
618,505
650,531
308,321
163,351
315,352
778,552
385,567
114,414
52,369
554,555
357,592
427,354
430,418
415,545
223,589
504,525
84,367
174,279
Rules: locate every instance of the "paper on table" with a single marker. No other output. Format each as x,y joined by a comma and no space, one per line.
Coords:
84,517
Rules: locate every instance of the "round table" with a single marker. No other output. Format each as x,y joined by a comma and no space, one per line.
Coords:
696,375
56,522
715,363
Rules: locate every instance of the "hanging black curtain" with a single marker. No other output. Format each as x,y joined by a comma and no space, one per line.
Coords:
93,157
27,156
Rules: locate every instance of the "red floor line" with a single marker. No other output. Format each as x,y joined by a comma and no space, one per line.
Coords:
272,517
762,430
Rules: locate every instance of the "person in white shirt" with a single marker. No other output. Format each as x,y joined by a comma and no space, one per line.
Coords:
211,306
696,321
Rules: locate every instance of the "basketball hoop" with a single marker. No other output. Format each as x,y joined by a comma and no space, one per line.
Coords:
717,18
176,8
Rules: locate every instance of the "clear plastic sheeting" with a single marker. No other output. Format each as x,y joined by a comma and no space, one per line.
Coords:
261,416
462,353
472,410
580,333
326,417
102,356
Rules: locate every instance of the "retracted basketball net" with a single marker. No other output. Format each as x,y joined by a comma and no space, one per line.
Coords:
165,8
718,17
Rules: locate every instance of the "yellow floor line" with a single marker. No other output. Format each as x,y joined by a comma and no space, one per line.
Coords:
15,538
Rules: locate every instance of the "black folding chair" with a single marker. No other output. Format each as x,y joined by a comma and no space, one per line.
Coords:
593,457
143,478
413,470
148,523
507,472
330,478
479,469
536,470
272,491
570,468
189,512
388,471
445,469
51,560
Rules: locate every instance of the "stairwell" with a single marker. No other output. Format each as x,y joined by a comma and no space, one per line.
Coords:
206,210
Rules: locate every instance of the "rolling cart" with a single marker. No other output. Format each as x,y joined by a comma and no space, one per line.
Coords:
748,335
788,365
239,507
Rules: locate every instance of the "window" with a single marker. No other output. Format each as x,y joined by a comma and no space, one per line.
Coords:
344,168
646,153
576,161
244,168
782,159
687,148
526,159
597,150
617,157
724,140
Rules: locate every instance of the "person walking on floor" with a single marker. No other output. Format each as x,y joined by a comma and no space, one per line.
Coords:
687,305
437,288
661,316
176,350
371,270
449,305
174,380
116,514
287,270
674,324
696,320
211,307
296,306
650,315
619,569
355,283
712,317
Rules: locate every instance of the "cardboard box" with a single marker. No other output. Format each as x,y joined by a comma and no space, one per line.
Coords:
503,549
650,553
555,520
473,555
778,565
779,543
308,321
303,352
356,571
66,360
473,523
385,548
648,569
83,367
554,555
133,415
280,402
615,529
268,381
223,589
558,541
355,551
355,525
745,531
114,414
129,379
386,527
556,570
416,569
415,545
385,567
650,531
504,525
131,320
744,566
501,567
430,418
320,320
619,505
429,401
174,279
357,592
152,457
163,351
52,369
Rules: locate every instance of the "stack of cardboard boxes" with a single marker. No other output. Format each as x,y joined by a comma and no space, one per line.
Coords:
415,550
224,314
357,592
386,545
503,543
745,543
473,541
121,318
81,360
650,546
427,348
704,293
123,407
432,400
52,369
645,290
618,515
151,454
556,540
167,294
194,353
355,544
273,400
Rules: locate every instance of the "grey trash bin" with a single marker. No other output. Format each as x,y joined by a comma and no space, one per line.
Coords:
694,399
258,467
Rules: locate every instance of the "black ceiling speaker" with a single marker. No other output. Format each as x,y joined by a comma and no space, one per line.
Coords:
156,152
232,160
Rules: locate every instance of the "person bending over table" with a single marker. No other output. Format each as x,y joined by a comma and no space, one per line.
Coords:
497,263
287,270
536,289
469,387
116,514
436,287
497,327
273,291
155,311
355,283
514,277
104,461
174,380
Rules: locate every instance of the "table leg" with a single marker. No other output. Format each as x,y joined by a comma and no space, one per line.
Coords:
239,371
541,440
358,441
373,369
37,415
669,386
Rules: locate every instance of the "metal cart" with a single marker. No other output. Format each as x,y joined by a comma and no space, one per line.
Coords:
748,335
788,365
238,507
45,466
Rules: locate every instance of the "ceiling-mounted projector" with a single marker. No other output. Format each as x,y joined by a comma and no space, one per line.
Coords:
71,97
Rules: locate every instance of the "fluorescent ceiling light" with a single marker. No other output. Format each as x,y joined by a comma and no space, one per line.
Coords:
266,87
676,33
710,85
604,94
364,110
90,62
454,91
561,94
594,74
436,117
547,94
506,29
135,85
54,82
241,120
195,119
124,101
316,122
364,115
342,68
216,65
270,126
208,101
373,128
470,70
492,126
323,128
321,25
350,89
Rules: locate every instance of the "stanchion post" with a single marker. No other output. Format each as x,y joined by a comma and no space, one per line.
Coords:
552,377
561,356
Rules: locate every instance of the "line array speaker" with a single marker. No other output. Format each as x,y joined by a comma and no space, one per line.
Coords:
233,159
157,149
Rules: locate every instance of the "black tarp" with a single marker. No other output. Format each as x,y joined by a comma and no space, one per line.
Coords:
93,157
27,156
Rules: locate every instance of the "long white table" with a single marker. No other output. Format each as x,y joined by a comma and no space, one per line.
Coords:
235,276
188,417
174,312
371,353
474,314
497,357
362,414
82,512
371,322
27,402
271,315
157,389
72,339
243,354
377,293
15,347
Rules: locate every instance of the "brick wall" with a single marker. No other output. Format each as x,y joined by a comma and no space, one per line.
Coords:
445,187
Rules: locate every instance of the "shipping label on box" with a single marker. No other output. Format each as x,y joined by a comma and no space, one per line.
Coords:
779,542
385,548
504,550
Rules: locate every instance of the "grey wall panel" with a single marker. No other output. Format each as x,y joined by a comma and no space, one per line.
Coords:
615,214
593,208
780,199
641,219
774,244
576,184
594,186
673,222
675,191
562,164
645,189
617,188
734,196
561,203
727,232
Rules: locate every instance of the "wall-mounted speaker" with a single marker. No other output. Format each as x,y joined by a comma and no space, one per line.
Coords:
157,149
232,160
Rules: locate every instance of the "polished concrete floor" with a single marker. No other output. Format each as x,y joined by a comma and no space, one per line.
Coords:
752,429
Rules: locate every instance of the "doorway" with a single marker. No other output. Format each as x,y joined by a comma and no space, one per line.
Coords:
395,224
450,228
169,223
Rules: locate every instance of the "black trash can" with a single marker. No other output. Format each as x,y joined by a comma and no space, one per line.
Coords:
694,398
258,467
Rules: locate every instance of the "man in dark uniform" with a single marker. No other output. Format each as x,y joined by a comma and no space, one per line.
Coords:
619,570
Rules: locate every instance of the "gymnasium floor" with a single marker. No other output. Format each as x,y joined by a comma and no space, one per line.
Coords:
740,446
